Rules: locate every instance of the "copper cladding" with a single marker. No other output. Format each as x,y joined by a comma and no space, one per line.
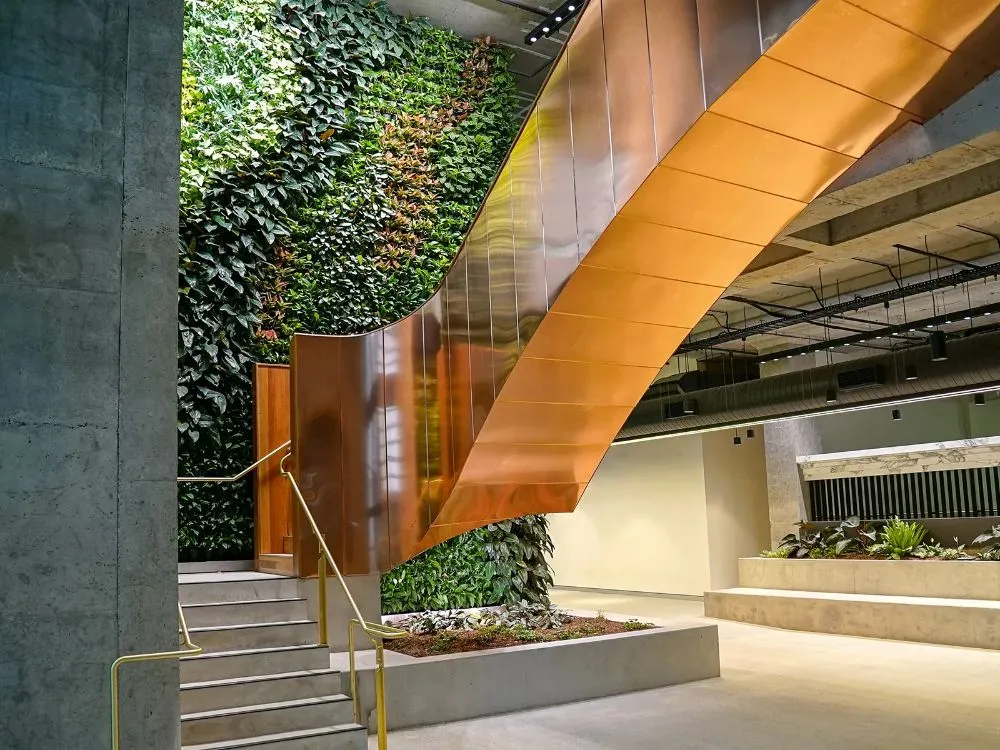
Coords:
672,141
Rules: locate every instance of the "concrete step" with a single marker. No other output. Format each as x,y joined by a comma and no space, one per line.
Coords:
952,622
248,691
255,635
206,588
273,717
244,613
248,662
341,737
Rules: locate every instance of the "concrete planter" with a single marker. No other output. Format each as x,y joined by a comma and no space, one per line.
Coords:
437,689
952,602
949,579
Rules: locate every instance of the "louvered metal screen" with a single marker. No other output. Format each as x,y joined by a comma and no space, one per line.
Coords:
962,493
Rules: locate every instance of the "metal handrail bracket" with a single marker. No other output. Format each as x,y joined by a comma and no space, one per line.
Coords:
377,632
189,649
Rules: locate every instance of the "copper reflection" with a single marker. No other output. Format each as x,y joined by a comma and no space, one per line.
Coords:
621,214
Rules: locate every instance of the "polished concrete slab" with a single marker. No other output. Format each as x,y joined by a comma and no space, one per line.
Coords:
779,690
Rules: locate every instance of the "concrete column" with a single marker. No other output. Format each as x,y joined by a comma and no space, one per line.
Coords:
89,119
783,442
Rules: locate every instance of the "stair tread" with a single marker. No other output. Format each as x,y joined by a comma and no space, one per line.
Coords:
289,600
885,598
243,626
265,738
258,678
250,651
257,707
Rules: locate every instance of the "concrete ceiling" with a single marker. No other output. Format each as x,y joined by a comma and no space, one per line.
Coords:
935,187
506,21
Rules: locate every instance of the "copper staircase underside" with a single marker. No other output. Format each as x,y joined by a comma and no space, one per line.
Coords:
673,140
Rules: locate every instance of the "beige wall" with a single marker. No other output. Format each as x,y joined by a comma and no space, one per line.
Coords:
668,516
641,525
736,499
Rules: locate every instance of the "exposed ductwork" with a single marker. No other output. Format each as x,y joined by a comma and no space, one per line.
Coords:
973,362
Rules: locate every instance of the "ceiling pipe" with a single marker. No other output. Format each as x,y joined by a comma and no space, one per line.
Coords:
964,276
973,365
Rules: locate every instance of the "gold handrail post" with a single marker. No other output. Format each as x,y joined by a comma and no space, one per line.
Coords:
324,636
376,632
189,649
383,740
354,671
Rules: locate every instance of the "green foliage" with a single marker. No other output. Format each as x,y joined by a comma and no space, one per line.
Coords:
632,625
778,552
518,552
298,122
899,538
988,544
935,549
849,536
452,575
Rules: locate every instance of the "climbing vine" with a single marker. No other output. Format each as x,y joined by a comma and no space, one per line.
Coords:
334,155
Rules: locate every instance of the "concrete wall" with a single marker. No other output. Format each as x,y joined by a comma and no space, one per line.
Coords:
641,525
736,497
923,422
89,118
668,516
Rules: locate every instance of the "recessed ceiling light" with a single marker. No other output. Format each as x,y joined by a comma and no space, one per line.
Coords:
987,313
545,29
558,19
534,39
967,317
571,8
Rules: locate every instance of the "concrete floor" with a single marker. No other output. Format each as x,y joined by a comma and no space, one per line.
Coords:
779,689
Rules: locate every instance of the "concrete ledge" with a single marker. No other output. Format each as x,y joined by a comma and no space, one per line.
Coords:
951,579
952,622
437,689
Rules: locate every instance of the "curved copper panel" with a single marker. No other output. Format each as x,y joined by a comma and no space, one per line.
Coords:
623,211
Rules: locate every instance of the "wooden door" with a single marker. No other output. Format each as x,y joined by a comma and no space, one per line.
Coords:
272,494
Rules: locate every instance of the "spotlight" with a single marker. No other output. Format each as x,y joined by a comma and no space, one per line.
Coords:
737,440
911,372
988,312
939,347
554,22
979,399
689,406
967,317
831,395
896,415
750,433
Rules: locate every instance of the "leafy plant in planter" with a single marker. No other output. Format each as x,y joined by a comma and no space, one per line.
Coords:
936,550
989,543
899,538
850,535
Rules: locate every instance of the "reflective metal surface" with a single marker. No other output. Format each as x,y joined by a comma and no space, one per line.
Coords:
622,213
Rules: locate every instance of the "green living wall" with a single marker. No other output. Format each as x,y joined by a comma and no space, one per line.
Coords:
333,156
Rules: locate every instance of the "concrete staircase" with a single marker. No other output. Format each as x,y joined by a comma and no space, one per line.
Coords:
262,683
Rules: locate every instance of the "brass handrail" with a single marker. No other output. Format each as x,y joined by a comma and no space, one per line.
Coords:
376,632
189,649
237,477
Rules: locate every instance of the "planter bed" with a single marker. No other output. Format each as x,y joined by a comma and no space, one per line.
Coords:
452,687
462,641
951,602
948,579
